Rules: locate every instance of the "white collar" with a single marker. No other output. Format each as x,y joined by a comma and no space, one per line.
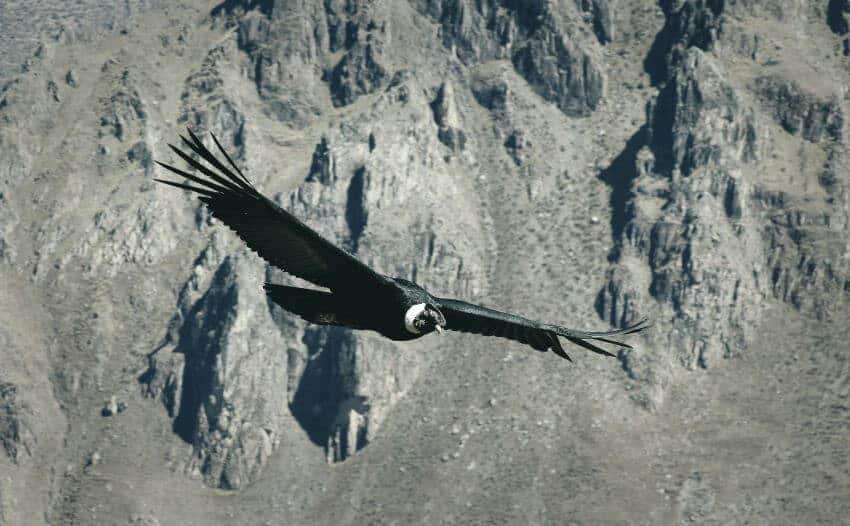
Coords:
411,315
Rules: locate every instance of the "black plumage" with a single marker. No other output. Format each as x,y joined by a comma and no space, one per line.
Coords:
357,296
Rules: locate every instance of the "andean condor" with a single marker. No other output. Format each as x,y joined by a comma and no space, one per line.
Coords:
357,296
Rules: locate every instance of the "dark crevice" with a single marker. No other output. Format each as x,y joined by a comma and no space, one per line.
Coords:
619,175
838,16
323,388
655,63
660,131
322,165
356,212
199,343
231,6
697,23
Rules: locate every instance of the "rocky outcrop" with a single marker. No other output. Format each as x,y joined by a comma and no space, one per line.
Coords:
362,30
228,347
685,200
287,44
686,214
16,435
553,58
343,383
560,71
8,220
117,237
600,14
690,23
799,112
447,118
358,73
123,109
802,271
234,367
282,43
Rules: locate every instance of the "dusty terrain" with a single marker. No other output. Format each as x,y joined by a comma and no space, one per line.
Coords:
586,162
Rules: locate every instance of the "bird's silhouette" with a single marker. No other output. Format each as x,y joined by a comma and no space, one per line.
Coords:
357,296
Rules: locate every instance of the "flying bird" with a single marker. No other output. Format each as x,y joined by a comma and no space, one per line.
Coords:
357,296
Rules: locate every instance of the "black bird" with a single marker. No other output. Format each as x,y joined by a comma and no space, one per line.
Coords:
357,296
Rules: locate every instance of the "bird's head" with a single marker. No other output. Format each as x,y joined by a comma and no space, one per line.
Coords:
423,318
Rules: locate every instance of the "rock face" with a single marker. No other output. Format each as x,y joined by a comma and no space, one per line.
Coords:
688,215
287,44
686,198
15,434
447,118
221,372
584,162
368,373
800,113
555,60
225,341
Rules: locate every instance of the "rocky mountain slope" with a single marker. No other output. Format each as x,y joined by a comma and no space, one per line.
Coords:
587,162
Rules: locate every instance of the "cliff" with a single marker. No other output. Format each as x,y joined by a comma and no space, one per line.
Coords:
584,162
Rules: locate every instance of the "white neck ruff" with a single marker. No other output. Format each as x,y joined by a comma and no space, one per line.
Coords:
411,315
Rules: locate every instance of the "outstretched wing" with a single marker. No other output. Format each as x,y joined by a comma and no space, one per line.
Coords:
466,317
269,230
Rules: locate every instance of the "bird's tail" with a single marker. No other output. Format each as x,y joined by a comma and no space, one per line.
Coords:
585,339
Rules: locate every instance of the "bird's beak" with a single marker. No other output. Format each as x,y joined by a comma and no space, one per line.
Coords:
438,329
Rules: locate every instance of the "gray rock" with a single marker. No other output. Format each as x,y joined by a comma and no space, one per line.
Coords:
560,71
15,429
113,406
491,92
601,13
358,73
728,228
687,197
125,107
800,112
447,119
536,39
516,142
233,430
140,153
143,520
689,23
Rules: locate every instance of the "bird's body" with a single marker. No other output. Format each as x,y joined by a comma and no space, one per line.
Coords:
381,309
357,297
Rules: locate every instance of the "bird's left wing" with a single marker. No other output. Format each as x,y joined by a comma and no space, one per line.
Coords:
269,230
467,317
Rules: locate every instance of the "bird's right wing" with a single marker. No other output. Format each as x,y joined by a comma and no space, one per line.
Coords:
467,317
269,230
